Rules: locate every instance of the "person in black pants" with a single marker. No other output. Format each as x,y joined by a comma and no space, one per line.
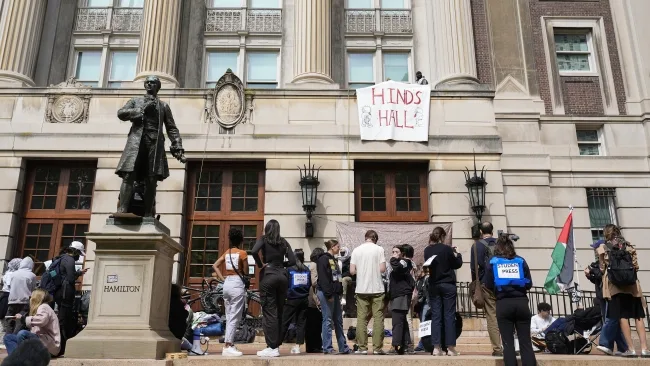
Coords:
508,276
295,309
313,340
65,295
442,290
401,288
273,284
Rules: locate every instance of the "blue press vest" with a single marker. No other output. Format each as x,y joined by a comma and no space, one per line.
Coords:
292,279
501,267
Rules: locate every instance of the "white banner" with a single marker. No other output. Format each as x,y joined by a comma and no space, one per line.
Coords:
394,111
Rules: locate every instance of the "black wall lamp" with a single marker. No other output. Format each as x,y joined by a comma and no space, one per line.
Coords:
309,188
476,188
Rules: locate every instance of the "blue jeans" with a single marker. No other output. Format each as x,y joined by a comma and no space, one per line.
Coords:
442,299
13,340
332,313
611,333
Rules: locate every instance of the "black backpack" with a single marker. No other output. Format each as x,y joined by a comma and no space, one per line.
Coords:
52,280
620,271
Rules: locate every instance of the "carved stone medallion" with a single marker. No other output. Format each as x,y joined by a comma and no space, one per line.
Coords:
68,102
225,104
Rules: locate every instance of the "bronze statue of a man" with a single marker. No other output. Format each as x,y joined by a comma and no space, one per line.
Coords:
143,159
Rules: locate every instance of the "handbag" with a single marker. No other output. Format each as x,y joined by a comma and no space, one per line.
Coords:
245,279
476,287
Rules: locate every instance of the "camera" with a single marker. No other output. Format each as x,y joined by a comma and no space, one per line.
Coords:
511,236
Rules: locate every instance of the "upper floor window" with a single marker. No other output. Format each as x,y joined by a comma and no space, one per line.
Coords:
262,70
573,51
123,64
116,3
602,210
361,70
394,4
360,4
88,67
589,142
396,66
391,192
218,63
226,3
265,3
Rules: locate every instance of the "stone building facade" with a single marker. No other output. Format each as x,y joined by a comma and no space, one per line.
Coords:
553,97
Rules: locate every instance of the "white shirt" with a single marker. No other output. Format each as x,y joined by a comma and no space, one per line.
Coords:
538,324
367,258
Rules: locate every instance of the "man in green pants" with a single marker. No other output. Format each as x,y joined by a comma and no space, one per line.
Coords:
368,262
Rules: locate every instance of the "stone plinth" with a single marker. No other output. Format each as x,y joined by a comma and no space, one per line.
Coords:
129,306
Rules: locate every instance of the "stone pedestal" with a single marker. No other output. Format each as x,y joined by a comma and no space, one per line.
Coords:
129,306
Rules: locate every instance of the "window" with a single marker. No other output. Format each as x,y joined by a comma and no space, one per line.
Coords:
221,197
123,65
396,66
88,67
262,70
218,63
386,192
264,4
589,142
359,4
393,4
602,210
57,209
132,3
98,3
361,70
226,3
573,51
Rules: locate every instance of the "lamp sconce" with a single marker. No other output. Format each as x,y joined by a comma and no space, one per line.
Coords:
476,188
309,187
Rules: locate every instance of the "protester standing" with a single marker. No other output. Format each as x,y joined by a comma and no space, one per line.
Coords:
507,275
401,287
484,248
234,289
442,290
368,263
313,341
273,283
23,282
4,296
330,290
624,302
295,309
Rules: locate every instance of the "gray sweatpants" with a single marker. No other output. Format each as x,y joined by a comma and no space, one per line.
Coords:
233,298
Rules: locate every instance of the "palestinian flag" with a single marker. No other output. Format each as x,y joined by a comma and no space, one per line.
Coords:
560,275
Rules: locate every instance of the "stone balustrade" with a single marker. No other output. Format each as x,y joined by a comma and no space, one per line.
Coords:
252,20
109,18
389,21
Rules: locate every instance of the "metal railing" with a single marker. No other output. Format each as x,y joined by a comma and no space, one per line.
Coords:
390,21
560,303
108,18
251,20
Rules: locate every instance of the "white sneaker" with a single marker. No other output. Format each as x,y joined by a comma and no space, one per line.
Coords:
605,350
295,349
343,302
231,352
269,352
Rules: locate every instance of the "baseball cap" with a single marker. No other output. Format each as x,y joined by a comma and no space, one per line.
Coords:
79,246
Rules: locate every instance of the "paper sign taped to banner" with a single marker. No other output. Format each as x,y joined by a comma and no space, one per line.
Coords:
425,329
394,111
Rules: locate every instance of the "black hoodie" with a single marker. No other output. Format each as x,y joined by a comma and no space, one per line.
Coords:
401,281
329,275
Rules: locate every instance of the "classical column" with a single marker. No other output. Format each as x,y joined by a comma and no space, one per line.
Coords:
312,51
159,40
22,23
453,34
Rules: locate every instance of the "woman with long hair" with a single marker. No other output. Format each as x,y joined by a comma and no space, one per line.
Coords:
274,283
313,340
508,276
442,290
624,302
42,322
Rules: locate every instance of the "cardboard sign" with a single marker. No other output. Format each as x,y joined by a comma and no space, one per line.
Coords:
394,111
425,329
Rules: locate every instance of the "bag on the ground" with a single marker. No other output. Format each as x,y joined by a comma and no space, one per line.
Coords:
352,333
211,330
620,270
557,342
51,280
244,333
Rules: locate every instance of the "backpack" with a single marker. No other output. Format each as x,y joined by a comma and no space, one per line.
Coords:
620,271
52,280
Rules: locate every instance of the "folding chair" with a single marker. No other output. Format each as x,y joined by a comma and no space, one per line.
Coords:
589,335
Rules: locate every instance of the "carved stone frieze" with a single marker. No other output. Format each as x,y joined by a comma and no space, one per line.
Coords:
226,104
68,102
